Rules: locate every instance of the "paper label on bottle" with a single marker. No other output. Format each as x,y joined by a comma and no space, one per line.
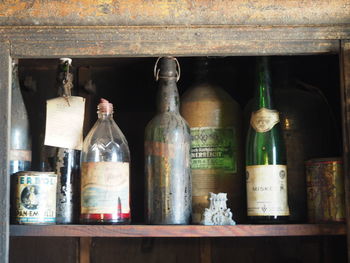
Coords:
264,119
21,155
267,190
64,122
214,148
105,188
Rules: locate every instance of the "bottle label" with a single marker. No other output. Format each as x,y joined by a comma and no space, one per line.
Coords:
267,190
35,198
21,155
105,188
264,119
214,148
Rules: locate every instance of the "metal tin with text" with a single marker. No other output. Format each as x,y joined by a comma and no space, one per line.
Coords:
34,198
325,190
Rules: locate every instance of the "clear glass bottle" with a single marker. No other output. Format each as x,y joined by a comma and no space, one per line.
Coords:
21,150
105,172
266,165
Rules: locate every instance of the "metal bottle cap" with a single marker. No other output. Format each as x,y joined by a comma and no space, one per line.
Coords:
169,67
69,60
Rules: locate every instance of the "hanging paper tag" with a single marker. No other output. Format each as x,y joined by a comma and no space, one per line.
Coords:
64,122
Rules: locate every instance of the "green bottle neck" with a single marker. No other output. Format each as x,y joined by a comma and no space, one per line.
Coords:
263,91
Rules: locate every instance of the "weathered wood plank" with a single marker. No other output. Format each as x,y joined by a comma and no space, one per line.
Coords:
278,249
205,246
169,12
145,250
85,249
43,250
137,48
5,110
178,231
174,33
345,96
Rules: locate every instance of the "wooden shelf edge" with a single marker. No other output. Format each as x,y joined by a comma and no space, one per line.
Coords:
178,231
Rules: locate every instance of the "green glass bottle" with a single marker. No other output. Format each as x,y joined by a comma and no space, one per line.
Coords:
266,169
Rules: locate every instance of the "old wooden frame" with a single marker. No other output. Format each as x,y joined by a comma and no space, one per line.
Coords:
345,95
5,113
170,12
131,41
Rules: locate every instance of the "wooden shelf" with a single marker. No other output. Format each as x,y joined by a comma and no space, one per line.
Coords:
178,231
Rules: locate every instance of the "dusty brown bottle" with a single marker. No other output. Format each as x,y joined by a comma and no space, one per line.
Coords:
167,154
216,148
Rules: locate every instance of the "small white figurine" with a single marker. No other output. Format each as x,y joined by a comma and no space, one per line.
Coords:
217,213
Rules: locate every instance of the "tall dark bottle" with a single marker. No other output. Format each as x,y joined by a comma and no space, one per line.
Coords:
266,167
20,152
167,154
67,161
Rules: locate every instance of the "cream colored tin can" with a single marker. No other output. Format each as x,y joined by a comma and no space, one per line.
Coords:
34,198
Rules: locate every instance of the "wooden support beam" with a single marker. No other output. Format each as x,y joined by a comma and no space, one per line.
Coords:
5,121
345,96
84,249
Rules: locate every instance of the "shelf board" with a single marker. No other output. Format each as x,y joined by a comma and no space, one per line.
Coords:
177,231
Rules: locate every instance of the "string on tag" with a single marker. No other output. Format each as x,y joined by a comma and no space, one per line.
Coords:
67,81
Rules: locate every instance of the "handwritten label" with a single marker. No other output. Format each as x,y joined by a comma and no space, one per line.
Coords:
64,122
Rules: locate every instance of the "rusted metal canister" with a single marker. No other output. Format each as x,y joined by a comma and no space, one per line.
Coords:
325,190
34,198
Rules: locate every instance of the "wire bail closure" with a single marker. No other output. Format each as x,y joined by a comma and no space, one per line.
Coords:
156,69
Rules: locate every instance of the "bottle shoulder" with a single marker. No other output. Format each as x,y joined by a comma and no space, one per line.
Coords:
105,142
168,126
207,92
173,119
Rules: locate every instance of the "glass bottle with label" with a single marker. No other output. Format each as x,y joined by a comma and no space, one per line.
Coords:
216,153
20,152
105,172
266,169
67,161
167,153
